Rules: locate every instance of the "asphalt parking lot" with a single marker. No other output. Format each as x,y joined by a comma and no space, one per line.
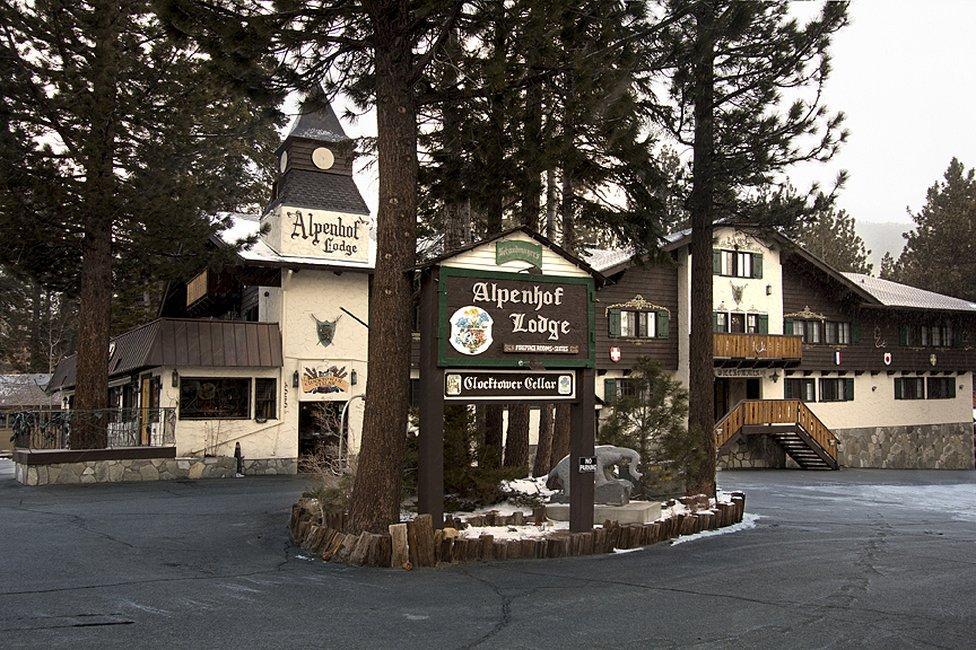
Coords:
866,558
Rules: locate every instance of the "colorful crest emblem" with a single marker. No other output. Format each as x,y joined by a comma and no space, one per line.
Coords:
471,330
615,353
326,329
887,358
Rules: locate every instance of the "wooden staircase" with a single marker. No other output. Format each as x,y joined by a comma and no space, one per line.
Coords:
789,422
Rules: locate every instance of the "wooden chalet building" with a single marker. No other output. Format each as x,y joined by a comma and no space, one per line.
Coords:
812,366
268,353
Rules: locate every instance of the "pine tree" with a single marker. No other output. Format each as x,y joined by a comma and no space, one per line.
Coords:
832,237
117,142
939,248
888,270
729,64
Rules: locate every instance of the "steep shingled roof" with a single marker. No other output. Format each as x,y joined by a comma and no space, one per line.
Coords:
25,390
894,294
320,124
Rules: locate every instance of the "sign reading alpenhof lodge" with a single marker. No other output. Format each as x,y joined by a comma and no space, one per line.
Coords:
507,320
320,234
514,320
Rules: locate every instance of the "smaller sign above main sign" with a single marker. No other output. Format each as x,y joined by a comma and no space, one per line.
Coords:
513,250
508,385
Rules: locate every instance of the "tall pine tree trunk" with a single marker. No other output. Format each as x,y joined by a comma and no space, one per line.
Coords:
517,438
701,415
457,226
94,314
543,450
491,447
560,437
38,360
551,204
375,501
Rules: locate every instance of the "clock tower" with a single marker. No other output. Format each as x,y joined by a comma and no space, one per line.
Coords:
316,209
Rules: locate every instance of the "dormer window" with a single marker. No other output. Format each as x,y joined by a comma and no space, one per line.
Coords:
737,264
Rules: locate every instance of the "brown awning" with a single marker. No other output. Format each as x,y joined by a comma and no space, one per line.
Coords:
185,342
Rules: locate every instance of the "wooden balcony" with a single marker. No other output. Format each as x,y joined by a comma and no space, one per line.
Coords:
757,350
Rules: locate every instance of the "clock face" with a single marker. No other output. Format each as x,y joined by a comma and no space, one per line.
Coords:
283,162
323,158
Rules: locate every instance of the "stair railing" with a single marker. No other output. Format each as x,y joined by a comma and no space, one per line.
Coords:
775,411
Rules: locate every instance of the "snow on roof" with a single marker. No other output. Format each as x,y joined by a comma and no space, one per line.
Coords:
25,390
241,226
602,259
894,294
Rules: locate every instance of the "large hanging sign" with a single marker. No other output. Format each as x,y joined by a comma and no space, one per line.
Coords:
509,385
323,381
514,320
320,234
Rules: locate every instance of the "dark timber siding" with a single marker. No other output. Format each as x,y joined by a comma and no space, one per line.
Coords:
658,284
878,328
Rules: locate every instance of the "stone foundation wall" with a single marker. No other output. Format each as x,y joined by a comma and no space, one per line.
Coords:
754,452
149,469
929,446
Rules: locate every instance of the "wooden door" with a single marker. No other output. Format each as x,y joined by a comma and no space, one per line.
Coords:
721,397
145,393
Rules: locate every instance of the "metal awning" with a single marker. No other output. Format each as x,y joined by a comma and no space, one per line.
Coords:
206,343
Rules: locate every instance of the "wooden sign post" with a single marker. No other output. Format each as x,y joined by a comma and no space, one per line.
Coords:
492,336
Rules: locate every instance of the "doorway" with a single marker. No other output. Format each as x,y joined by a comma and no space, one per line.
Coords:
319,426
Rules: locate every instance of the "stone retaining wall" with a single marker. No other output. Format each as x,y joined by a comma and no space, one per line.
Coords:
149,469
928,446
754,452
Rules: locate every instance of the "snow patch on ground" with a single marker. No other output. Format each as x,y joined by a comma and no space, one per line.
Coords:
957,499
748,521
514,532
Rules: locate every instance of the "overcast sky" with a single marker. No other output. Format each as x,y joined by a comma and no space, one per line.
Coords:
904,72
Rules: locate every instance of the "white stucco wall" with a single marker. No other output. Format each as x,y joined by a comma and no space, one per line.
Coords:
483,258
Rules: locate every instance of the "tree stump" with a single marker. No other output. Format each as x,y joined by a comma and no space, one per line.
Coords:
400,554
420,541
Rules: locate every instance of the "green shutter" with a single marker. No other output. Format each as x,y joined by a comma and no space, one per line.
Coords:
855,332
609,390
763,323
899,389
849,389
903,335
663,324
716,262
757,265
787,327
614,323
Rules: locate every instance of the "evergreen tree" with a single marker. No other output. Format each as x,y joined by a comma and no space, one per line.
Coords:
116,143
831,236
650,418
888,270
729,64
939,250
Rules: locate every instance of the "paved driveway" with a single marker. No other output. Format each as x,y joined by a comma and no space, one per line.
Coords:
867,558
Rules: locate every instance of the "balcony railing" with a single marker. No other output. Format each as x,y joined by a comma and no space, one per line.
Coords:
758,347
124,427
775,411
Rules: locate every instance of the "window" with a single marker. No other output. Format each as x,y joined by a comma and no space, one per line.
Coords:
803,389
213,398
837,333
738,322
614,389
265,399
721,321
909,388
836,390
812,330
632,324
941,388
926,336
737,264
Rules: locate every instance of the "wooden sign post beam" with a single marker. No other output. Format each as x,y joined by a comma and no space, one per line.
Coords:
581,441
430,479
